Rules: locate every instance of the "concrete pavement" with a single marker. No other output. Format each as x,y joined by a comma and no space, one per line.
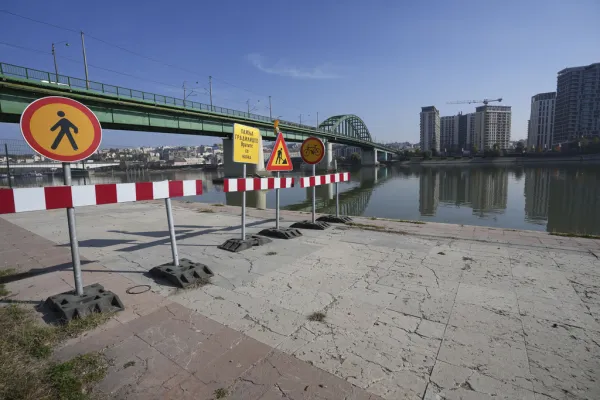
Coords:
430,311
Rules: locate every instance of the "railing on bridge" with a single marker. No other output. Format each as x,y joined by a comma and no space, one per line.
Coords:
78,83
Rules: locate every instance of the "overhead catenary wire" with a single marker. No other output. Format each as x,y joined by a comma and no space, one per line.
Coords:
139,55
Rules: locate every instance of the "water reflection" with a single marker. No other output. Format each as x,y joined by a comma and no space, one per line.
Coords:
561,198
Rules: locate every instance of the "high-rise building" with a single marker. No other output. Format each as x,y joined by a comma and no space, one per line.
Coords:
456,132
492,126
448,132
577,108
470,131
430,128
541,121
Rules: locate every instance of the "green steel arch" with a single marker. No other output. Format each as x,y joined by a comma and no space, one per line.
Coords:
348,125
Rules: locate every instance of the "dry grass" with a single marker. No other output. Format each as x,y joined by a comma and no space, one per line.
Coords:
317,316
25,370
369,227
575,234
270,253
221,393
206,210
218,205
3,273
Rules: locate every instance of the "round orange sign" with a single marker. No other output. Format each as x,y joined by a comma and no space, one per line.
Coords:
312,150
61,129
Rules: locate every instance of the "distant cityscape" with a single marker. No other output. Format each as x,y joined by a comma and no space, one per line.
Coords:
570,115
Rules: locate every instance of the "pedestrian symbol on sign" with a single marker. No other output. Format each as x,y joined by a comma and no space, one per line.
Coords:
65,129
280,157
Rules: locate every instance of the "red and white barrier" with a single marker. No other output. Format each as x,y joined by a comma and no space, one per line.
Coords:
52,197
309,181
250,184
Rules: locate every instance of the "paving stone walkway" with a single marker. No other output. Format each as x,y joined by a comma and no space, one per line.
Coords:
430,311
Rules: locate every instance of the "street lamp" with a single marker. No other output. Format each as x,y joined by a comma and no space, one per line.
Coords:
54,56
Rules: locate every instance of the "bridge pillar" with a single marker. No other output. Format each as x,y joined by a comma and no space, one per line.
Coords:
326,163
233,169
369,157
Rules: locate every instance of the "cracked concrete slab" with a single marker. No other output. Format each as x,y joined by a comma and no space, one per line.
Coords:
438,312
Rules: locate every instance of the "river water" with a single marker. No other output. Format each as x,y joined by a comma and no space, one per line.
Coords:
555,199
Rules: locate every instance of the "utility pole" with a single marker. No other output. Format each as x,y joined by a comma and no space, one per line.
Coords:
184,92
270,109
300,119
55,65
317,127
248,102
210,91
87,81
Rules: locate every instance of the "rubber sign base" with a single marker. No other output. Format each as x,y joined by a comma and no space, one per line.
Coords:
332,219
285,233
187,273
320,226
237,245
95,299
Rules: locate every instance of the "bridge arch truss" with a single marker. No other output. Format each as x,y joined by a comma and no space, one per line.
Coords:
347,125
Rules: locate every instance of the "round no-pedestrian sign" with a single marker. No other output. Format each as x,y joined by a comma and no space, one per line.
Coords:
61,129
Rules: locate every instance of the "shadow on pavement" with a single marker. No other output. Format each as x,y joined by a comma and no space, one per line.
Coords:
39,271
188,235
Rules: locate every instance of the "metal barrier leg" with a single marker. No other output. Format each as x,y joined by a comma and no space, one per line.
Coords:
172,232
337,200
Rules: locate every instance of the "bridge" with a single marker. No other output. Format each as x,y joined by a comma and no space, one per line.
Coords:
121,108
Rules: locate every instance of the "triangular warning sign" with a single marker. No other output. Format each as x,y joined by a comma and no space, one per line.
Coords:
280,157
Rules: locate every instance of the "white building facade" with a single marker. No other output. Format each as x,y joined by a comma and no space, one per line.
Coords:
540,132
492,126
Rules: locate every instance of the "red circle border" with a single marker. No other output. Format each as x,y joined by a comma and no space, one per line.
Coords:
36,105
322,152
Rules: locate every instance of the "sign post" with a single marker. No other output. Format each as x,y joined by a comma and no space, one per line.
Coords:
246,150
280,160
65,130
312,152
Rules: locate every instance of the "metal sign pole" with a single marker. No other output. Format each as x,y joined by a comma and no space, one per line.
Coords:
172,232
73,235
277,203
244,205
314,194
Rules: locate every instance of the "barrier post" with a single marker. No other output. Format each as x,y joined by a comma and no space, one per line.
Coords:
172,232
73,235
244,205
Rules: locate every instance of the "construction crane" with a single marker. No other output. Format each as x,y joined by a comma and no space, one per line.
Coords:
484,101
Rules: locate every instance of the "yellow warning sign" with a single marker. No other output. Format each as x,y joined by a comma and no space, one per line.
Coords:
280,157
61,129
246,144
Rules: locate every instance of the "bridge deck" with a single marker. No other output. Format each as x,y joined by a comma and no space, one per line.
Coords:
129,109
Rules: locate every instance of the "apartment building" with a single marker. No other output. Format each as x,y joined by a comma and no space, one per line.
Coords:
541,121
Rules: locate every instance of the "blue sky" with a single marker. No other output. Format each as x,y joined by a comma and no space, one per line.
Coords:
381,60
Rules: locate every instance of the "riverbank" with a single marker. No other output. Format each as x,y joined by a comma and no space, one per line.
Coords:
481,161
405,310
